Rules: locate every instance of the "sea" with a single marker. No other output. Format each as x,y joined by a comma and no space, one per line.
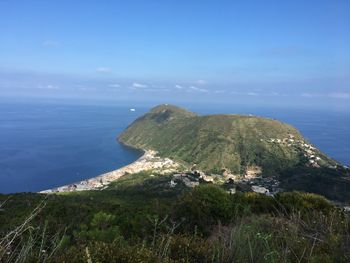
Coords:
49,144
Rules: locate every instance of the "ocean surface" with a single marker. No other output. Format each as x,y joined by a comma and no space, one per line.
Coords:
47,145
44,145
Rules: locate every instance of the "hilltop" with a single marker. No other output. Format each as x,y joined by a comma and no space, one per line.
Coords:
239,146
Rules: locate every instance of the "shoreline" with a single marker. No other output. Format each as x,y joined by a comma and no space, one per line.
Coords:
148,161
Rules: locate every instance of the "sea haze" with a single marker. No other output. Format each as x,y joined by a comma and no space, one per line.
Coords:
46,145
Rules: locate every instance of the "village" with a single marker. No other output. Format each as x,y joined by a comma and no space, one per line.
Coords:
310,152
268,186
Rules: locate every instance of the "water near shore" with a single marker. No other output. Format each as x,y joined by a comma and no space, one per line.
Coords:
46,145
43,146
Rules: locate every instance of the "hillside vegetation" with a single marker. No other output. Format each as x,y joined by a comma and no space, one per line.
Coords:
142,219
217,143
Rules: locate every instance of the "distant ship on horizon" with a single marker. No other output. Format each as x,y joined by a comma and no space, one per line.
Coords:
132,109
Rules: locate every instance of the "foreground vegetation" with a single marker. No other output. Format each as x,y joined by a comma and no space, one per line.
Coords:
141,219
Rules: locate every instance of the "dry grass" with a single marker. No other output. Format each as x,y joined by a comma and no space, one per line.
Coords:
27,243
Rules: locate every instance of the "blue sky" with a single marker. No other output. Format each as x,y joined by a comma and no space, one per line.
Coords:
265,52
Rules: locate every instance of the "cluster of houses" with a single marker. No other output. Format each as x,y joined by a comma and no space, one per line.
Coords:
258,184
263,185
189,179
268,186
308,150
287,141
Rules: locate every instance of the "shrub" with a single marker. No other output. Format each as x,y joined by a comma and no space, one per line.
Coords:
204,206
102,228
115,252
190,248
246,203
304,202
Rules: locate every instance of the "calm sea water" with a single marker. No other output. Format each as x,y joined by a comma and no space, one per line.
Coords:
48,145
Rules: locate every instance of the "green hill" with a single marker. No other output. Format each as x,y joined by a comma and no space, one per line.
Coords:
239,145
218,143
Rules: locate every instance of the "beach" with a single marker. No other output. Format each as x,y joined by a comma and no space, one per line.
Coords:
148,161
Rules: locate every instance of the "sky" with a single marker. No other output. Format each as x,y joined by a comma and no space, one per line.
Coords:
211,51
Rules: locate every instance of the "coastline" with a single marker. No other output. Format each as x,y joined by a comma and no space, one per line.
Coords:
148,161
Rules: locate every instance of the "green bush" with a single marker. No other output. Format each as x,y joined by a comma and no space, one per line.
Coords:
101,228
247,203
203,207
304,202
190,248
117,253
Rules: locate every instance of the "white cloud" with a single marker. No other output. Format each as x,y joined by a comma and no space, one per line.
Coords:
49,87
51,43
136,85
103,70
179,87
249,93
311,95
114,85
196,89
277,94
